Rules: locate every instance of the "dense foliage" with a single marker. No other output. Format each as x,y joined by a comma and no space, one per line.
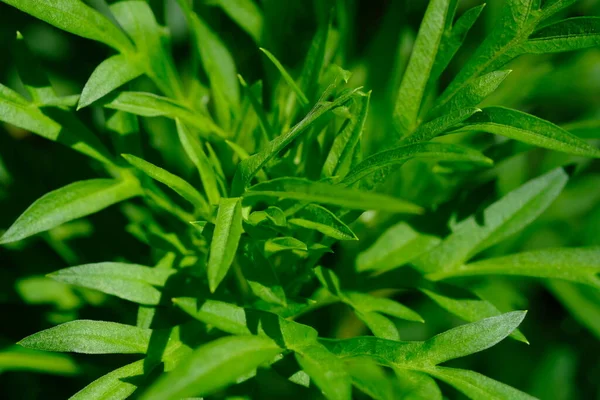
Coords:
300,199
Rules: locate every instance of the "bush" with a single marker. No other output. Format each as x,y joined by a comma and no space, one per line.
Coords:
226,165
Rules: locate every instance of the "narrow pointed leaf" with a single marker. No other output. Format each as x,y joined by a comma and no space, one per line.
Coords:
132,282
422,59
151,105
528,129
249,167
394,248
416,385
279,244
322,220
436,127
73,201
455,343
214,366
111,74
399,155
318,192
76,17
326,371
194,150
477,386
453,40
91,337
340,155
181,187
115,385
500,220
566,35
366,303
288,78
137,19
228,231
246,14
468,307
580,265
472,94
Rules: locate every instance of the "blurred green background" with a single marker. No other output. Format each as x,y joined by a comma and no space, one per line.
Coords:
563,323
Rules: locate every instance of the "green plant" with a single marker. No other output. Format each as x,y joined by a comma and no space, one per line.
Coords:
243,254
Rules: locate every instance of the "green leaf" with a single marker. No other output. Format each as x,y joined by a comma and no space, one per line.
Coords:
414,81
194,150
470,338
224,316
471,94
15,358
246,14
528,129
76,17
181,187
151,105
430,130
580,265
32,75
228,231
319,192
566,35
73,201
366,303
399,155
257,106
315,59
422,356
261,276
116,385
380,325
274,215
290,81
326,371
276,245
477,386
108,76
340,155
395,247
371,379
137,19
467,306
249,167
218,65
322,220
17,111
417,386
500,220
453,39
91,337
132,282
213,366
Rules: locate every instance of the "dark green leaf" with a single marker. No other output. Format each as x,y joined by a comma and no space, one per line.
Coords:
132,282
318,192
566,35
414,81
395,247
500,220
108,76
477,386
225,240
399,155
181,187
322,220
528,129
76,17
246,14
326,371
91,337
73,201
